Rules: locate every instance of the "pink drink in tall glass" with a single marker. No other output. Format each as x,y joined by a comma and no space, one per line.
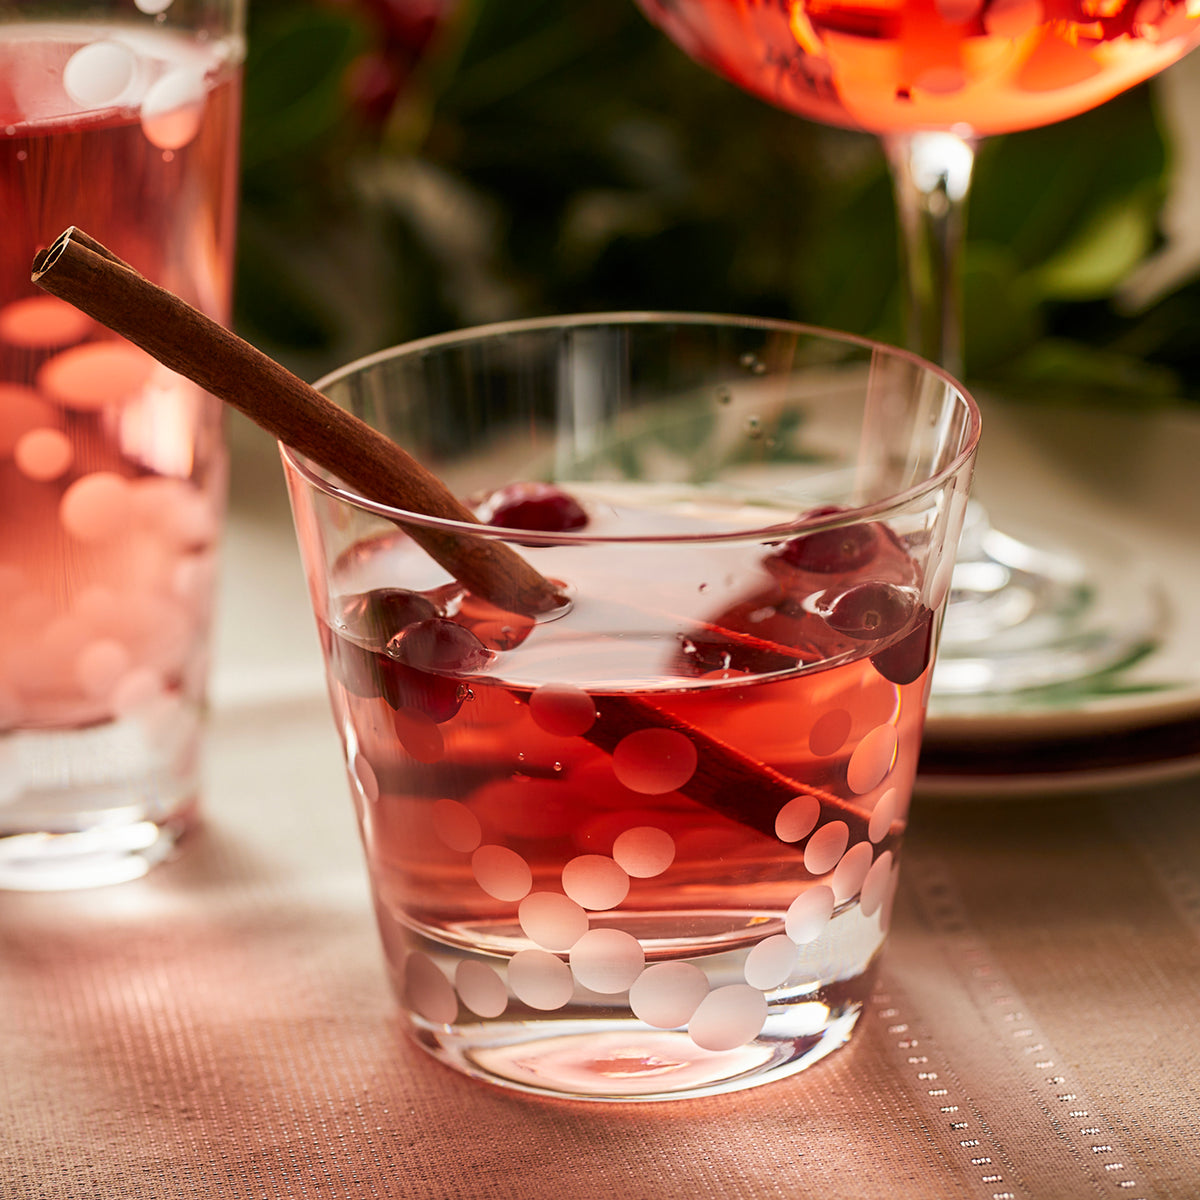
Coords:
112,469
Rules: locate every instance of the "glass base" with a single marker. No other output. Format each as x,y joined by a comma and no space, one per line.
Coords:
96,806
1038,610
623,1060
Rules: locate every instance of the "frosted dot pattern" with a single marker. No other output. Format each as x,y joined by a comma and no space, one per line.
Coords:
96,375
428,991
100,74
562,709
577,946
875,885
456,826
829,732
595,881
851,871
797,818
666,995
607,960
872,759
770,962
826,847
540,979
883,814
654,761
95,507
553,921
644,851
480,988
419,734
809,914
729,1017
173,109
501,872
43,454
42,322
101,664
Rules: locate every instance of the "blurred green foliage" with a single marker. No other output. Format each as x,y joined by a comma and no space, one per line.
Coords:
545,157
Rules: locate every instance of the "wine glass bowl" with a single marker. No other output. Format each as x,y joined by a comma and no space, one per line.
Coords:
977,67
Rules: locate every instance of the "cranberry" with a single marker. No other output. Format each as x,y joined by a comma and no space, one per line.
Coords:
906,660
376,617
441,646
422,663
832,551
870,611
358,669
539,507
368,621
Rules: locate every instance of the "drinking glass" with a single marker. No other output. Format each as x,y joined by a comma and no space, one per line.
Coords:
120,118
643,844
931,77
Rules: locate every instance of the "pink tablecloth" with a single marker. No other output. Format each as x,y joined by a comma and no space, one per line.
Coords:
223,1027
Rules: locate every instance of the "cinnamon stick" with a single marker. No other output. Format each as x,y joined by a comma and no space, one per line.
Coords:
78,269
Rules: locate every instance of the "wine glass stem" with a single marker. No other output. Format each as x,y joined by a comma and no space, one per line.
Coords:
931,175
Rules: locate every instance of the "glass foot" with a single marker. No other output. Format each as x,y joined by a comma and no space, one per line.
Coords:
89,807
1034,613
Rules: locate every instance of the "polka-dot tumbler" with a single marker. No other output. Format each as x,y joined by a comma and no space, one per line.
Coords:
120,117
643,843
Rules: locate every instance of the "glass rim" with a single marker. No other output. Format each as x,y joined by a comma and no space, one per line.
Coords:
848,515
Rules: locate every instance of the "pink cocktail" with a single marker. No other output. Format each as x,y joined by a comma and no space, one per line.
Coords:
112,469
644,844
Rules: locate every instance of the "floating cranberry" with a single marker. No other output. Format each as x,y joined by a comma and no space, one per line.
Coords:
441,646
832,551
539,507
906,660
870,611
356,668
376,617
423,665
438,696
367,622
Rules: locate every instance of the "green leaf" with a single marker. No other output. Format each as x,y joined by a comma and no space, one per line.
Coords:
294,70
1000,312
1035,190
1067,372
1103,252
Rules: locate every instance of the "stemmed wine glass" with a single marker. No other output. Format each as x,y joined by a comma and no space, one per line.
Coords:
931,77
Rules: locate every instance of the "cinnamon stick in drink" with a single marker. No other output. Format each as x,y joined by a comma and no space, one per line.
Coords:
78,269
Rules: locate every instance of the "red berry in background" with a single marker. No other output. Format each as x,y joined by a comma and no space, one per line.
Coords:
537,507
403,32
870,611
373,82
